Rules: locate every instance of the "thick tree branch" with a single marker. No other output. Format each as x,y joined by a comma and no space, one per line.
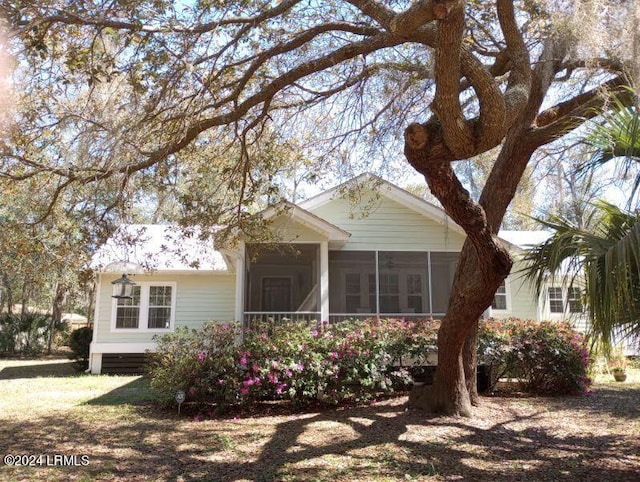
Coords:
564,117
519,85
446,105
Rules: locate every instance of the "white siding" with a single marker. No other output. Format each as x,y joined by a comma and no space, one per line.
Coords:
288,230
199,298
521,295
384,224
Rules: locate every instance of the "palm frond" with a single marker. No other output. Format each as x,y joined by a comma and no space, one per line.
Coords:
606,255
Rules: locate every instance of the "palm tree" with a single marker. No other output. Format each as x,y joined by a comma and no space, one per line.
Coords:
604,255
604,258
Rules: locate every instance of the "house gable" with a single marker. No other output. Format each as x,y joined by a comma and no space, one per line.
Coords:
386,217
290,224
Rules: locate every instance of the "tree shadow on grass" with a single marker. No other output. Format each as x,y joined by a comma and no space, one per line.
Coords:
136,392
613,401
63,368
378,442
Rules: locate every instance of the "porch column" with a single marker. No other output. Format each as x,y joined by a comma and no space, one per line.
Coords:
324,281
240,284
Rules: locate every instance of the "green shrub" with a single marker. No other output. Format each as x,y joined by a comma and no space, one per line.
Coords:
299,362
547,358
202,363
24,334
359,360
79,342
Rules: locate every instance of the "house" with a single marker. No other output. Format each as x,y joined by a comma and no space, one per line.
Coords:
363,249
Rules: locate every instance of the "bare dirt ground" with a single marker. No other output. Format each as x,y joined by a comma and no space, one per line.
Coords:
47,409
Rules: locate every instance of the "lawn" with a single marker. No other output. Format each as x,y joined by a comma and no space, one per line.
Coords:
47,408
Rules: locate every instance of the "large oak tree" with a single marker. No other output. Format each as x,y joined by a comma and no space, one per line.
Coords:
112,90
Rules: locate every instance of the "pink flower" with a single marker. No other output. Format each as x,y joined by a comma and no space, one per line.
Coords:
243,360
244,391
300,367
314,333
280,388
274,364
201,356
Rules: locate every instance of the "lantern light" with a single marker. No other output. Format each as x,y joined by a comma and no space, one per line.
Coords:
123,288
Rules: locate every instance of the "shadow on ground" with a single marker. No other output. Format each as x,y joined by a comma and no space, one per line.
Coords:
379,442
136,392
63,368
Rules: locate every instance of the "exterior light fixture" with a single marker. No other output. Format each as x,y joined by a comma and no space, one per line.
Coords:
122,288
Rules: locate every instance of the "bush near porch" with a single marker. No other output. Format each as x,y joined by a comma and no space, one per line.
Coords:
358,361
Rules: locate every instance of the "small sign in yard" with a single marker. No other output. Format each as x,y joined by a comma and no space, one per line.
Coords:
180,397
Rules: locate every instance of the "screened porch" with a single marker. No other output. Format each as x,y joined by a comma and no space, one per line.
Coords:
286,282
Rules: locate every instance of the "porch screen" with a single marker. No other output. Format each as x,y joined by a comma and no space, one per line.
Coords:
443,267
404,282
352,285
282,279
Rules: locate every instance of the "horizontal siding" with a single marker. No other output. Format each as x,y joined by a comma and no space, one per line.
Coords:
199,298
285,229
387,225
522,298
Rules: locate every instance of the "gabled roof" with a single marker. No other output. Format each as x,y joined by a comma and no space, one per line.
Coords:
308,219
136,248
524,239
389,190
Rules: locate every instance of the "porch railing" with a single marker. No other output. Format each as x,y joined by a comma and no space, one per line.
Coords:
252,317
338,317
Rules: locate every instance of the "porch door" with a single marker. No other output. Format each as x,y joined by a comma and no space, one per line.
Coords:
276,294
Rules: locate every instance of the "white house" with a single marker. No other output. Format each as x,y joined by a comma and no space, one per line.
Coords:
363,249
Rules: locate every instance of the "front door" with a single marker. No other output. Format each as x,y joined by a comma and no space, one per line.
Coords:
276,294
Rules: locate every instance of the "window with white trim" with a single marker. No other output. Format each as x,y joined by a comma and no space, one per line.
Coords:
151,307
500,298
556,302
574,299
128,310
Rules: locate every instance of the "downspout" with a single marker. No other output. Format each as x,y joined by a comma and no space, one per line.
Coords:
96,310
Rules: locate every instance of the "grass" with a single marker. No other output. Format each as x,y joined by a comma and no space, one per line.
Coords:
47,408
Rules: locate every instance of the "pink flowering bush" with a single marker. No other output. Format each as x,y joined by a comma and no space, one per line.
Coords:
548,358
202,363
299,362
360,360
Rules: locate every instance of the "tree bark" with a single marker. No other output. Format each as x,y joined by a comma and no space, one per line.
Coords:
470,364
56,313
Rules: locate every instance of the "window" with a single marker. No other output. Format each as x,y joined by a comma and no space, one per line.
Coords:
500,298
352,292
414,293
556,303
160,306
151,307
574,300
389,293
128,310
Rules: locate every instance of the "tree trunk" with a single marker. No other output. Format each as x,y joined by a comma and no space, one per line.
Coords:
470,363
26,286
56,313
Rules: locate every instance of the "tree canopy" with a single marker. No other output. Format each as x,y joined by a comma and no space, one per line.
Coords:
115,94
